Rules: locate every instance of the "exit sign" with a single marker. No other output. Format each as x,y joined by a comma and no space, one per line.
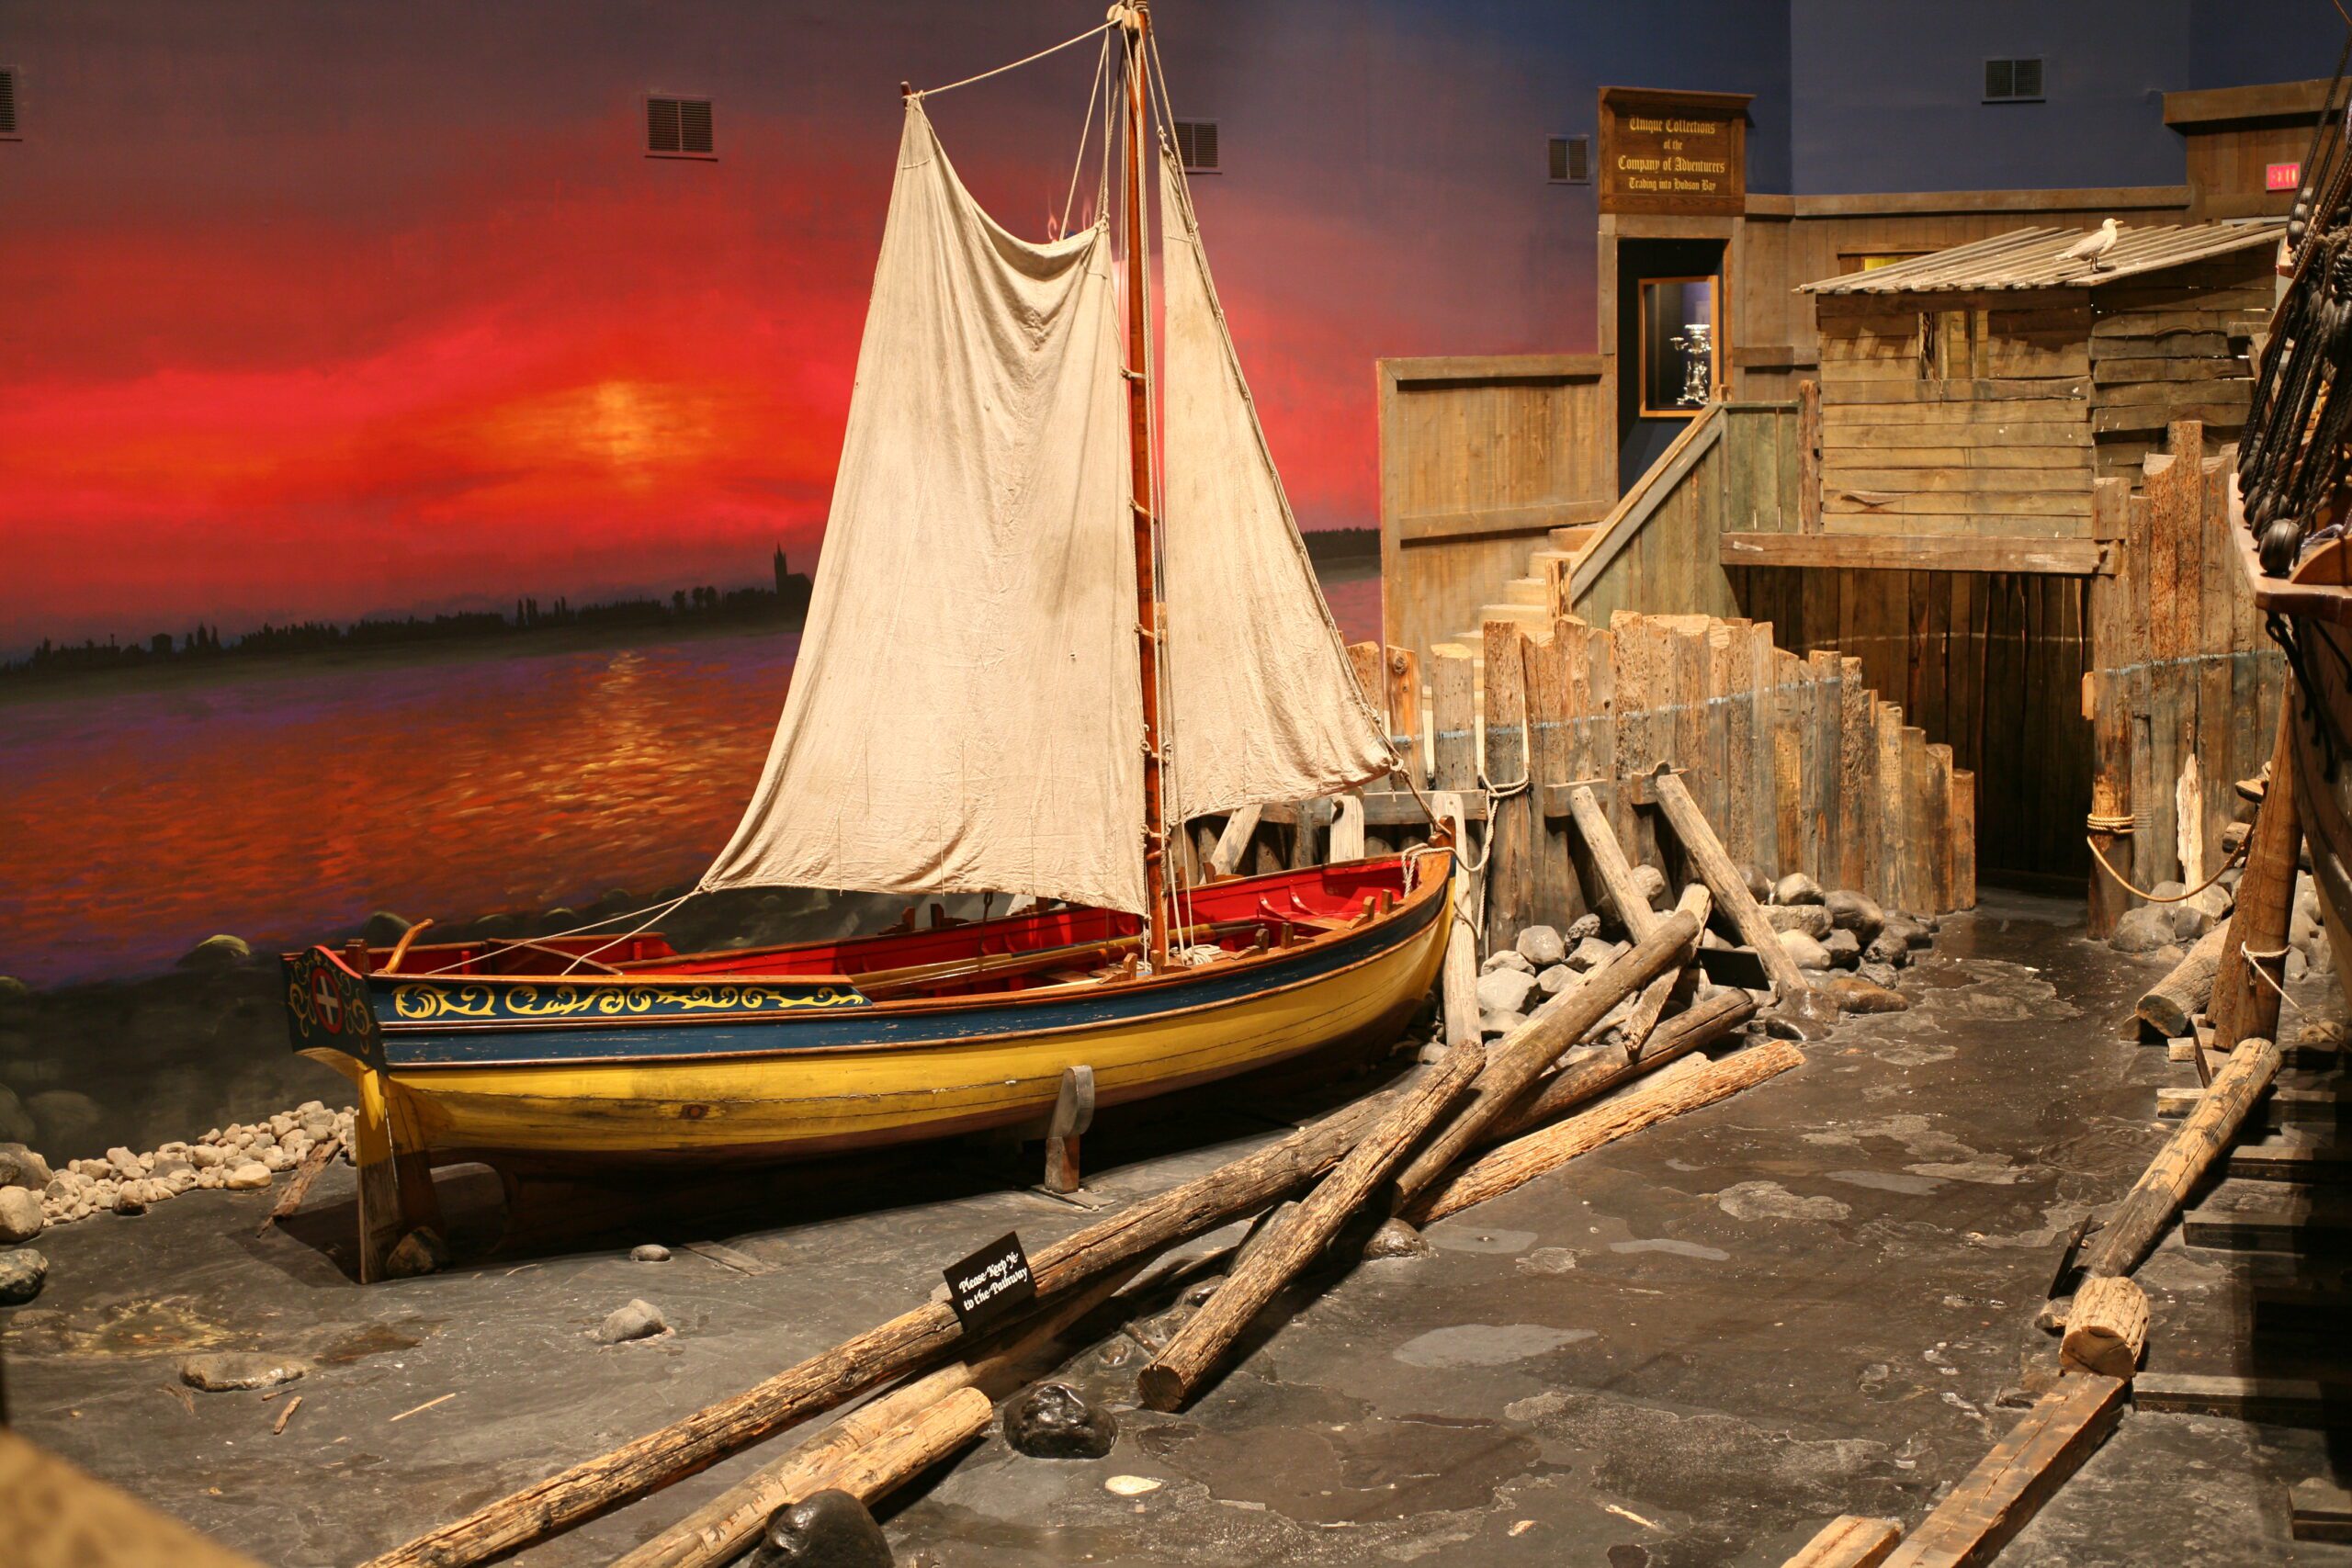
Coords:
2282,176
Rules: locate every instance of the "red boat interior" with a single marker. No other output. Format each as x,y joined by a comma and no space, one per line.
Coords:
930,954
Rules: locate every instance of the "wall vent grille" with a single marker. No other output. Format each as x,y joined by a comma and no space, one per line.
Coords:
1570,159
679,127
8,100
2013,81
1196,146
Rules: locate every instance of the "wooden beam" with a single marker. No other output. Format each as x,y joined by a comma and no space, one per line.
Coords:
2265,100
1489,368
2096,199
2275,1402
1849,1540
2008,1487
1921,552
1419,527
1634,509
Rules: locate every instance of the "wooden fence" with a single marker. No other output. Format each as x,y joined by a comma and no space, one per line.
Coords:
1798,766
2185,697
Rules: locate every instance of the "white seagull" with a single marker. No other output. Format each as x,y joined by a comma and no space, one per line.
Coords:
2090,247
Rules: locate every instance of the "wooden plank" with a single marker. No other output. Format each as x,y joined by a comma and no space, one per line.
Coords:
1963,840
1919,829
1557,899
1856,776
1886,880
2044,393
1904,552
1937,831
2008,1486
1849,1540
1453,719
1511,830
1788,764
2319,1509
2053,480
1808,465
1826,760
1846,500
2272,1401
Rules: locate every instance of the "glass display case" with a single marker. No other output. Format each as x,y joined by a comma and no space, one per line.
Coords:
1682,361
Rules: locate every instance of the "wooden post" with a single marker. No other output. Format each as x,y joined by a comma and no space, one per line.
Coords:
1459,985
1521,1056
1510,817
2105,705
2106,1328
1073,1113
2210,1129
2245,1003
1515,1163
1652,1004
1849,1540
1403,670
548,1507
1723,880
1294,1241
1347,829
2009,1485
1609,864
1454,719
1857,765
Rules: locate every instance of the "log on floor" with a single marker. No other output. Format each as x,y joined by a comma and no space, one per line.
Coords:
1297,1238
1695,1028
2106,1328
888,1350
2172,1002
1849,1540
2150,1205
2001,1496
1515,1163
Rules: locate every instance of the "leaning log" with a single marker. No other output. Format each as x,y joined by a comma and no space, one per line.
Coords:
725,1527
1609,864
1589,1078
2149,1207
2180,995
1651,1006
1520,1058
1523,1159
1234,842
882,1352
2245,1002
1705,853
1297,1238
2106,1328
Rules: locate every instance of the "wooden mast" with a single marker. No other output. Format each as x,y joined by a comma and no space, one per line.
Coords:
1138,32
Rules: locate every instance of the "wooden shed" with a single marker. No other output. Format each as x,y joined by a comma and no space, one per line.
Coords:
1979,390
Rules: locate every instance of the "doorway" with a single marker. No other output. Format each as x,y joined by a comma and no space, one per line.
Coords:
1673,352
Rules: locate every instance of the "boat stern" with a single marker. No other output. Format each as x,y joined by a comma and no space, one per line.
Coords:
329,1016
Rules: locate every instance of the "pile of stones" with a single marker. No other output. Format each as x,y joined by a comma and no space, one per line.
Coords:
2163,929
240,1157
1845,941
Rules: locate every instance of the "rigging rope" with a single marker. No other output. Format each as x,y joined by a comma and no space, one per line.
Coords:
1056,49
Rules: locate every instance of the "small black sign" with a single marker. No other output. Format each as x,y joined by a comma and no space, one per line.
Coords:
990,1285
1734,966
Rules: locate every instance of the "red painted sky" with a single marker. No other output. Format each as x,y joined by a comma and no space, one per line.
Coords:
259,372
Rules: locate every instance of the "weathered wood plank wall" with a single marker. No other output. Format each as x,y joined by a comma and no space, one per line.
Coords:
1480,459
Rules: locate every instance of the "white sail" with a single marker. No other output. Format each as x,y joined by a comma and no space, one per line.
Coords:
1263,704
965,712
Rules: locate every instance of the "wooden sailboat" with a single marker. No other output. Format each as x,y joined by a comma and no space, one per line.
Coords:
1015,678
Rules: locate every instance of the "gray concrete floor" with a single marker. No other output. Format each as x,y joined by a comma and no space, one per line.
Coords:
1692,1347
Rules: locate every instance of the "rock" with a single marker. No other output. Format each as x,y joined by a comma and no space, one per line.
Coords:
1505,990
1493,1025
651,1252
1807,1015
127,1165
1591,953
2142,930
2163,892
1582,927
1856,994
1397,1238
638,1320
826,1530
420,1252
204,1157
20,1214
1509,958
1810,919
1650,884
1053,1420
20,1167
21,1272
1796,888
1844,948
1877,974
2189,922
1542,946
1856,912
2214,901
1556,980
221,1371
1914,932
2297,964
246,1176
275,1159
1434,1052
217,952
1759,886
1889,948
1807,952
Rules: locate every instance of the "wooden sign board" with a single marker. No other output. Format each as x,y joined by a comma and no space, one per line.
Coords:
1673,151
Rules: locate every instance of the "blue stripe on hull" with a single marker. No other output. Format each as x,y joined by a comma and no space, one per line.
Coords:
853,1028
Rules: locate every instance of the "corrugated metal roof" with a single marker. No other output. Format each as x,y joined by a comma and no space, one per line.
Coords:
2036,258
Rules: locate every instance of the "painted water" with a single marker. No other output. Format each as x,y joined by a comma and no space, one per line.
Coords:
285,807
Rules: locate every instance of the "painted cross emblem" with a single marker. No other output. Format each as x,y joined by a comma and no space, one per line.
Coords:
325,1002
